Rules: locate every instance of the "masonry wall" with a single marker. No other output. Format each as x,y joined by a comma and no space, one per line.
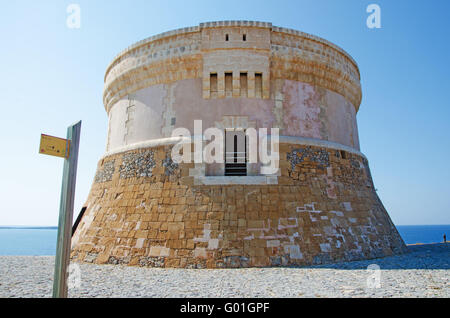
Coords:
145,210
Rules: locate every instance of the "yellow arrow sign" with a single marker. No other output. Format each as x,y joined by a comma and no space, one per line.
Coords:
54,146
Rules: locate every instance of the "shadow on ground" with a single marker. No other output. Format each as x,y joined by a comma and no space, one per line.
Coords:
423,256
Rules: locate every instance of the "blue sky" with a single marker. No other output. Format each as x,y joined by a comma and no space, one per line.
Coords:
52,76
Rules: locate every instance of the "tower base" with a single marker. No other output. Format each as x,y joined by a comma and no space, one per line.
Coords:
145,210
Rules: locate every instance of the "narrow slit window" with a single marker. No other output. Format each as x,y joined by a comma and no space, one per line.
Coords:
213,85
343,155
235,148
244,85
228,84
226,37
258,85
244,37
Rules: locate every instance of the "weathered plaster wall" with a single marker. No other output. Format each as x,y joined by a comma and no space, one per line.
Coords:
340,119
315,112
138,117
189,105
305,111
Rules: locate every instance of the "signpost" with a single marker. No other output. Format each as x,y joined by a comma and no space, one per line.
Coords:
68,149
54,146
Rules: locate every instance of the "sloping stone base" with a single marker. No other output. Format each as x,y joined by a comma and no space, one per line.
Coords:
145,210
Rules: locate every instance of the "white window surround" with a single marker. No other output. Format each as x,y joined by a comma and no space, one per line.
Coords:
232,180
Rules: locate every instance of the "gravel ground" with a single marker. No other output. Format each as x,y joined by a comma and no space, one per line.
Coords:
423,272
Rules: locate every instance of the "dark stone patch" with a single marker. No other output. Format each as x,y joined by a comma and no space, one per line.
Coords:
90,257
119,260
136,165
355,163
236,261
106,173
169,165
282,260
322,258
353,255
152,261
196,265
319,156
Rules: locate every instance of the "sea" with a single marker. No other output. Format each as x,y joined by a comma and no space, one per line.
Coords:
17,240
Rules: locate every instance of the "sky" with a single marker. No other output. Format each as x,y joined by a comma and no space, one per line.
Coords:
52,76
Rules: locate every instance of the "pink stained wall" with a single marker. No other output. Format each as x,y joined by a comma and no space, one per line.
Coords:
189,105
315,112
307,111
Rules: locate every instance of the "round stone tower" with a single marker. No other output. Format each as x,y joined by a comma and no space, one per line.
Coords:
320,206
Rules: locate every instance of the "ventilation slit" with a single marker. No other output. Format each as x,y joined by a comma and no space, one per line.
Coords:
228,84
244,85
213,85
258,85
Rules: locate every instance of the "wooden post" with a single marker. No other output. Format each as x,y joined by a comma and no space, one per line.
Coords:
62,258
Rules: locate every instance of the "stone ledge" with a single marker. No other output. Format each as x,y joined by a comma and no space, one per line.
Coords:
234,180
235,23
282,140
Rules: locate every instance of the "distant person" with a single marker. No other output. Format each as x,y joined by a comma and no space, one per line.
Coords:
445,239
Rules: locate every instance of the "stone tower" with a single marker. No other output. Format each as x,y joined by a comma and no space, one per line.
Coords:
319,207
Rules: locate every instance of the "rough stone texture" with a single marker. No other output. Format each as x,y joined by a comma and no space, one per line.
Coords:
324,209
422,272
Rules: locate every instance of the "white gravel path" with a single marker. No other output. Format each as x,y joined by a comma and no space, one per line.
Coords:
423,272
